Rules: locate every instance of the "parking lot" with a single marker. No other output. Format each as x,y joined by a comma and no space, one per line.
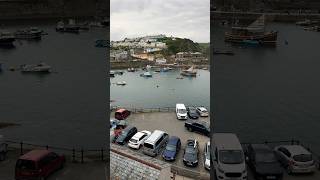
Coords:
167,121
71,171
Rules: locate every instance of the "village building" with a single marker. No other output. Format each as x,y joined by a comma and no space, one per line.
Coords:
189,57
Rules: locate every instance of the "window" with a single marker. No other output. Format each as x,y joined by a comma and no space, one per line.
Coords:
285,151
303,157
142,137
25,164
231,156
159,141
147,145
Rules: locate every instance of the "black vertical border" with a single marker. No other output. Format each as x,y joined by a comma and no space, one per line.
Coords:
107,60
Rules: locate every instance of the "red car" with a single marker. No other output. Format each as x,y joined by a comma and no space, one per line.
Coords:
121,114
38,164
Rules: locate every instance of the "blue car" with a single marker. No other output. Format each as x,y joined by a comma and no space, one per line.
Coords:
172,149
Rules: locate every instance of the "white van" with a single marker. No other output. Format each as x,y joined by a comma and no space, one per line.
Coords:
181,111
155,142
228,157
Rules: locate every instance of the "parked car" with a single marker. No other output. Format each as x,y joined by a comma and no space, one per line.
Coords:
263,162
155,143
202,127
181,112
190,156
295,158
228,157
207,156
3,148
192,113
203,112
38,164
122,114
138,139
172,149
114,123
126,134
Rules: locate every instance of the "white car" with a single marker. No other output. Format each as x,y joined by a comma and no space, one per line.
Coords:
203,112
295,158
207,158
138,139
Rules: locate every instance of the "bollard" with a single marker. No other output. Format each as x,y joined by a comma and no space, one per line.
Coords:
21,148
102,154
81,155
73,155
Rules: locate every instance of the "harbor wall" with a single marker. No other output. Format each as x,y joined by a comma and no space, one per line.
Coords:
271,17
40,9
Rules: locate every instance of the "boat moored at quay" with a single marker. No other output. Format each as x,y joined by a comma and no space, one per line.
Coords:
31,33
254,33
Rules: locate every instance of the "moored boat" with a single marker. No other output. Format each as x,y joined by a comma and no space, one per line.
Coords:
71,27
31,33
254,32
146,74
41,67
6,39
111,74
121,83
189,72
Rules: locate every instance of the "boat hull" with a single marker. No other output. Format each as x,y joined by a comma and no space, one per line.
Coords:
268,38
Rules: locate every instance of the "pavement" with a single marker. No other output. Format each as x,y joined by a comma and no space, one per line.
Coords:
94,170
167,121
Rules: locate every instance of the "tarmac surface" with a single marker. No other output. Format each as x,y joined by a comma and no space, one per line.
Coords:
167,121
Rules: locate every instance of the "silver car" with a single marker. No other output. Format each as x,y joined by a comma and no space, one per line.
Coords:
207,158
295,158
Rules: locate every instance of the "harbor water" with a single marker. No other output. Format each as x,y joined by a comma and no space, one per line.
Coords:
266,93
66,108
161,90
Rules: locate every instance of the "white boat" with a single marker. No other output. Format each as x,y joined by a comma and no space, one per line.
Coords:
146,74
190,72
121,83
41,67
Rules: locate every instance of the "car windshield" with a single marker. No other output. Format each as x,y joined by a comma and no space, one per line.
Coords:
171,147
133,140
303,157
26,164
190,150
265,157
182,111
231,156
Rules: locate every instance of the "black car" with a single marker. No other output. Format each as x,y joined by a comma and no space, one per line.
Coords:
198,126
192,113
263,162
126,135
190,156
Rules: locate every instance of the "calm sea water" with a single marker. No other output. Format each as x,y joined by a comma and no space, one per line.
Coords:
162,90
270,93
65,108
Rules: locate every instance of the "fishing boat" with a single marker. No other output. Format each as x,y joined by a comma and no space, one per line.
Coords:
164,69
6,39
121,83
254,32
31,33
191,72
41,67
146,74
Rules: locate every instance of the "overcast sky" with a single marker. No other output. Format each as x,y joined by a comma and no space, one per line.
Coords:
180,18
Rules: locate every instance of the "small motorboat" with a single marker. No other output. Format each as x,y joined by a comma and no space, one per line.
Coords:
121,83
191,72
41,67
146,74
31,33
180,77
204,68
164,69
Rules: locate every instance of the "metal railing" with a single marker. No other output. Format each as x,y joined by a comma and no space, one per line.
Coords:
147,110
76,154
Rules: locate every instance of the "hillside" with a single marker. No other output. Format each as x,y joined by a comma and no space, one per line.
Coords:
176,45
